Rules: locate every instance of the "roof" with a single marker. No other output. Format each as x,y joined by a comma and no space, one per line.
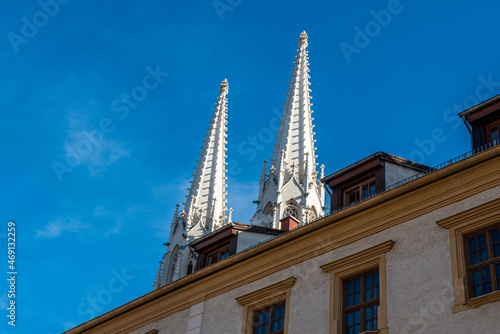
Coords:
239,227
378,155
480,106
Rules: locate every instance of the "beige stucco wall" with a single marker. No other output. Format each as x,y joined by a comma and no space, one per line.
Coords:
419,292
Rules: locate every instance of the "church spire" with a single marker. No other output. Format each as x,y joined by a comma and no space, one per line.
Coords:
205,206
293,175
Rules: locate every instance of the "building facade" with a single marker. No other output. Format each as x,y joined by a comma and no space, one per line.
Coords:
405,249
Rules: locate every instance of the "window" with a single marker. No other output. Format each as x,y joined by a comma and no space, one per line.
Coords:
217,255
361,302
360,191
291,209
483,261
266,311
357,293
269,320
474,253
493,131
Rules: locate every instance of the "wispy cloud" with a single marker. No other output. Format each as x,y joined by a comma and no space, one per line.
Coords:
59,226
87,147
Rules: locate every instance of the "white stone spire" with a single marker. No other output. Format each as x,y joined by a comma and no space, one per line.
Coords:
206,201
292,183
205,207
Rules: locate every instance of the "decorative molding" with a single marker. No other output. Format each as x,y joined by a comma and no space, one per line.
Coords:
483,300
459,226
339,270
365,256
272,294
153,331
277,288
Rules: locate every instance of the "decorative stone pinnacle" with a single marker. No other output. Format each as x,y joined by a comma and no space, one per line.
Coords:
224,87
303,39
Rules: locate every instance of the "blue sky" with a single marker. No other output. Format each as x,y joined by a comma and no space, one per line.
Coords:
385,75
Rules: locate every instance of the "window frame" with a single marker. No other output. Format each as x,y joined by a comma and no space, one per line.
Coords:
363,304
272,295
359,263
488,127
270,309
226,247
359,187
460,226
490,263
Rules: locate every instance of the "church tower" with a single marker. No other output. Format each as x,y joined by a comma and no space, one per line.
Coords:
290,186
205,207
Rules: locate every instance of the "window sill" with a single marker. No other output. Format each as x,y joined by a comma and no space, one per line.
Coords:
478,302
483,300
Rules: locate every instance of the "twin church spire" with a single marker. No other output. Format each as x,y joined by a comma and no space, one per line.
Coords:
289,185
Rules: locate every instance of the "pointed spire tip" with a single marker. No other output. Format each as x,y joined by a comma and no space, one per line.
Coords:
303,39
224,87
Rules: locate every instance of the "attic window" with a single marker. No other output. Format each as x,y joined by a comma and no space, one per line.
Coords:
493,131
360,191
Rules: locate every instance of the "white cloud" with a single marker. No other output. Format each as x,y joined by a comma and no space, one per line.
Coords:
86,146
60,226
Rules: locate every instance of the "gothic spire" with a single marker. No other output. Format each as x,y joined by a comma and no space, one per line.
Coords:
294,154
206,200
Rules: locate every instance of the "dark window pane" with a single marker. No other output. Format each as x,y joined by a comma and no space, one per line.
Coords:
260,319
482,240
485,273
365,191
375,292
281,324
259,330
349,319
477,290
474,258
368,313
357,329
349,301
375,311
497,269
357,317
357,298
375,279
375,324
473,244
368,325
496,250
487,288
368,294
350,330
266,316
483,254
495,236
357,285
372,188
494,133
349,286
368,281
265,328
476,277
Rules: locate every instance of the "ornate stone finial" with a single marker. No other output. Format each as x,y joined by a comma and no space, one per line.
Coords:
303,39
322,171
263,175
230,219
224,87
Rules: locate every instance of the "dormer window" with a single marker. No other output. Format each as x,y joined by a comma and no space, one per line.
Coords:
217,255
493,131
360,191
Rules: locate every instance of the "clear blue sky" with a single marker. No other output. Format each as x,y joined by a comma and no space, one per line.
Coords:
90,240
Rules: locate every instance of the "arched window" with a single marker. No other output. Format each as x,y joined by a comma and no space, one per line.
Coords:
291,209
173,264
268,215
